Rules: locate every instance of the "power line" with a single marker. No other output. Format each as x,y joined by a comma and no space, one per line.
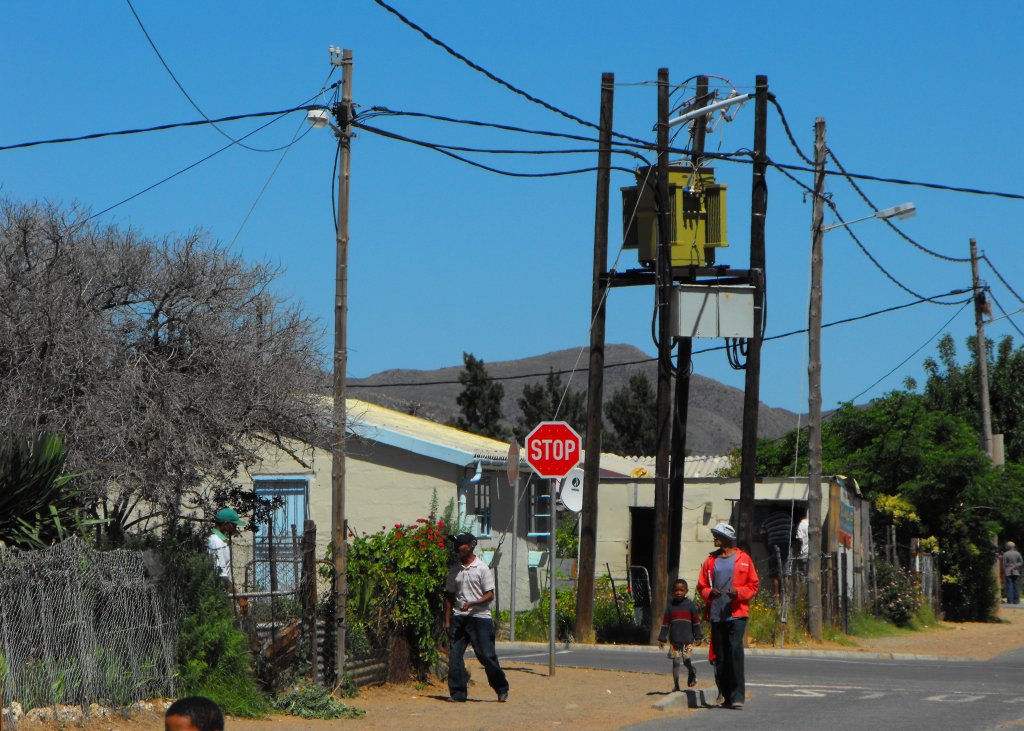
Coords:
1001,278
652,360
158,128
480,69
1006,315
192,101
904,361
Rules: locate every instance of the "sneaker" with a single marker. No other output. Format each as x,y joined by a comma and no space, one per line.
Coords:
502,696
456,700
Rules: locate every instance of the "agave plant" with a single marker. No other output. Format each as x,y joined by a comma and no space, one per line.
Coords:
37,504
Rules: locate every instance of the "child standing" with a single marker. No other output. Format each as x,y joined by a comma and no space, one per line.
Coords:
681,627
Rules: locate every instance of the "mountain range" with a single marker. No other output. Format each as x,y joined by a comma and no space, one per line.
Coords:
715,419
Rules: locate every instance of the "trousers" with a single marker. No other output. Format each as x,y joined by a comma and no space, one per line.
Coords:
478,632
1013,590
727,640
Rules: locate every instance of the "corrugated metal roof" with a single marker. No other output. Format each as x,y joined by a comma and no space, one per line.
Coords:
695,467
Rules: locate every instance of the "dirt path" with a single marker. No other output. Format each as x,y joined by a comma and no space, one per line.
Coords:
593,699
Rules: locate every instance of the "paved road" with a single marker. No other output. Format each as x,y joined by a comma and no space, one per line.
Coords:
835,692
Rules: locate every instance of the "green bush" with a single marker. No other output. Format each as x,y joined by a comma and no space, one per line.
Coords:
306,700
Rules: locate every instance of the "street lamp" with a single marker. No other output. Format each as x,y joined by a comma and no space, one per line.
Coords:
319,118
902,211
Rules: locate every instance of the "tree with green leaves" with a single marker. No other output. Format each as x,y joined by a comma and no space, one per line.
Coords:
953,388
632,413
480,400
551,401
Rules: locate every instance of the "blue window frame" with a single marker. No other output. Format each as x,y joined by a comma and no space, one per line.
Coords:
277,553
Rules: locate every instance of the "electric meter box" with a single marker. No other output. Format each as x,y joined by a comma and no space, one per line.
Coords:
698,217
712,311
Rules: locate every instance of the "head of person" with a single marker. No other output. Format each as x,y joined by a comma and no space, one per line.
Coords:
228,521
464,543
194,713
1011,546
680,588
724,535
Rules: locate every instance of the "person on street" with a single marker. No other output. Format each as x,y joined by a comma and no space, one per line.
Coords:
802,535
467,619
681,627
1012,564
727,583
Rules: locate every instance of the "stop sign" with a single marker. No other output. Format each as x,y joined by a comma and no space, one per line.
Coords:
553,448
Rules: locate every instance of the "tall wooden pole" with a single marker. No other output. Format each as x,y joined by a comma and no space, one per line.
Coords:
684,350
982,354
595,382
752,376
343,113
814,620
663,294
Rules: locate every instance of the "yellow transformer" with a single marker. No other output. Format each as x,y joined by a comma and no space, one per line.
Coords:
697,206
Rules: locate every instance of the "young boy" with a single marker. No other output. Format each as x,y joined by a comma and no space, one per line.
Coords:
681,627
194,713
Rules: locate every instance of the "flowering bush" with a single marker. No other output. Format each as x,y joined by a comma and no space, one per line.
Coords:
899,595
396,580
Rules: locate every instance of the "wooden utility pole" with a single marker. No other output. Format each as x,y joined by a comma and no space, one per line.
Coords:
663,426
752,376
595,382
343,116
982,348
684,350
814,621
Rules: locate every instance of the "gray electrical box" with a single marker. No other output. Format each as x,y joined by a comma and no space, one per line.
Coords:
713,311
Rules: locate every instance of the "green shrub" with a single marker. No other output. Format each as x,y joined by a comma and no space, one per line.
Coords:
898,593
307,700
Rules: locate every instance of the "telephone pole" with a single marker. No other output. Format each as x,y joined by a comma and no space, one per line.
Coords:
339,542
814,619
982,354
595,382
663,428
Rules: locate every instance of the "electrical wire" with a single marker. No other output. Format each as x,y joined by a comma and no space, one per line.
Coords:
888,222
789,133
192,101
1006,315
480,69
1001,278
918,350
643,361
159,128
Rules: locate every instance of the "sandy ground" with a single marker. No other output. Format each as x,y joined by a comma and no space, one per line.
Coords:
592,699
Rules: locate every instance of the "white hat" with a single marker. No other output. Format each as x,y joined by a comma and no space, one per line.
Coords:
725,530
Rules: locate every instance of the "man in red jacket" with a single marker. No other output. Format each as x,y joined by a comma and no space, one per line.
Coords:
727,582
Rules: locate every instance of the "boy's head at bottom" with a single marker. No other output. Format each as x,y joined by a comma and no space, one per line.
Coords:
194,714
680,588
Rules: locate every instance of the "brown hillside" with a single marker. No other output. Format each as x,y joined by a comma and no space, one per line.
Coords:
715,413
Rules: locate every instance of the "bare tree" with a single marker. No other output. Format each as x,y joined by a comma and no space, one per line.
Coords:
165,363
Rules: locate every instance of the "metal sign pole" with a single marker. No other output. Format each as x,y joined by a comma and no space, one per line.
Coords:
513,478
552,527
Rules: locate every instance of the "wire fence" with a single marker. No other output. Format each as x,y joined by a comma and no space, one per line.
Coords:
79,626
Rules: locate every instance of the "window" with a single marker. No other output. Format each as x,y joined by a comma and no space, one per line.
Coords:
539,506
277,554
480,510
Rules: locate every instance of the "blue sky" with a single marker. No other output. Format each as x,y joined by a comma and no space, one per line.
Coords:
446,258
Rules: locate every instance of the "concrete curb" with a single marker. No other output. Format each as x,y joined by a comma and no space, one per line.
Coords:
754,651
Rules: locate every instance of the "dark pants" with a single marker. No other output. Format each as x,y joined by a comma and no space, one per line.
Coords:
1013,590
727,640
478,632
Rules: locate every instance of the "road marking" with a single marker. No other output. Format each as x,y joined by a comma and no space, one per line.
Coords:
808,693
954,698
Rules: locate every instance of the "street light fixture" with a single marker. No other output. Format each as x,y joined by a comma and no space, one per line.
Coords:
902,212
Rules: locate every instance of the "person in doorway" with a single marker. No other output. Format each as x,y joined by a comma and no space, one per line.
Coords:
467,619
226,523
727,583
1012,564
194,713
681,628
803,537
777,530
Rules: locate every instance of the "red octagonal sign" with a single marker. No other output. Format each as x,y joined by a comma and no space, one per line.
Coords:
553,449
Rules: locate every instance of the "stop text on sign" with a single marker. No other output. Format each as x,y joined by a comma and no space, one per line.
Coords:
553,449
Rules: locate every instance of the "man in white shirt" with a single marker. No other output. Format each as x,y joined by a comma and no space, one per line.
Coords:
802,536
467,618
226,523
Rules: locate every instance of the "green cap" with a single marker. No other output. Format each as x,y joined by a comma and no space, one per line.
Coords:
228,515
